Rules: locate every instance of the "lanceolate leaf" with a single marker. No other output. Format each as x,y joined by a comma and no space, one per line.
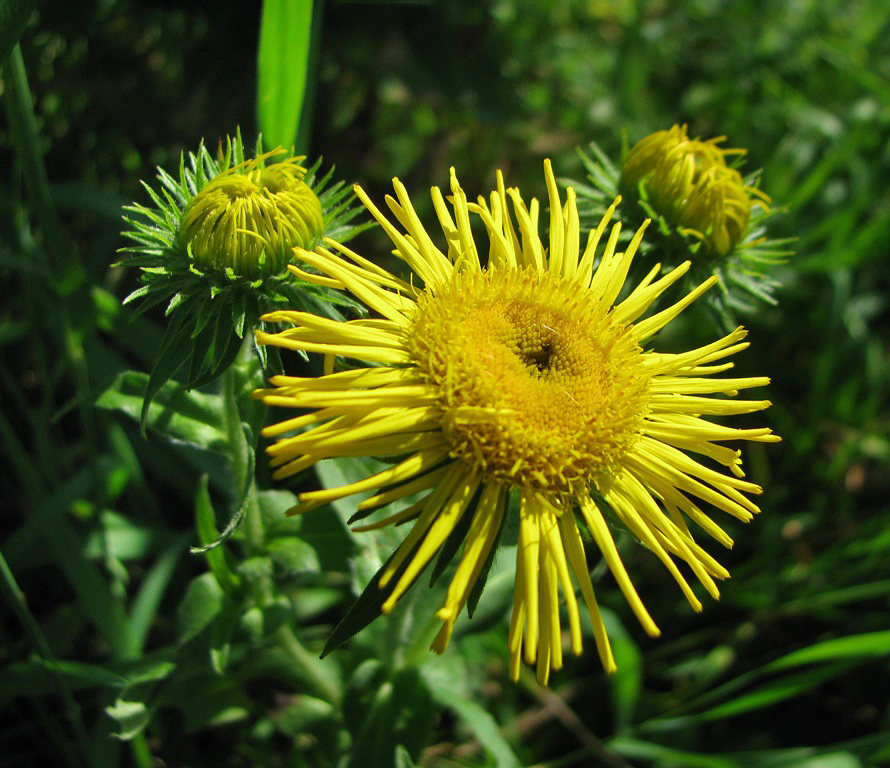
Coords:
192,417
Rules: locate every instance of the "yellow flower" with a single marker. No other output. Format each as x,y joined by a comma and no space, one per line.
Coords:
515,370
249,218
688,182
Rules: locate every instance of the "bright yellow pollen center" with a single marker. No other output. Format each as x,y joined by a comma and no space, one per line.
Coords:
538,386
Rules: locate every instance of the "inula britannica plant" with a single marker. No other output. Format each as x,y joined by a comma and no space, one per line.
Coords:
517,369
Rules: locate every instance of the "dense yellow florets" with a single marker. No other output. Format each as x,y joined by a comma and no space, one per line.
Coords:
539,388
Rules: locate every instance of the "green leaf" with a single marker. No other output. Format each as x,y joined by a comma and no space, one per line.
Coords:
123,539
283,67
304,715
636,749
854,647
184,417
293,555
131,717
398,712
202,602
206,699
145,605
217,557
38,677
14,15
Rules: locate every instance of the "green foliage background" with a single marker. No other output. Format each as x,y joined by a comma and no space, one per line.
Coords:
123,649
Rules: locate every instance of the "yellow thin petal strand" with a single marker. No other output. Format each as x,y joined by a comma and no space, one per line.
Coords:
395,519
327,282
509,230
469,256
361,267
517,619
532,252
688,385
667,535
660,477
290,424
367,353
557,235
644,295
391,305
422,483
484,528
439,531
383,423
446,222
585,267
549,636
368,268
402,472
688,363
409,219
529,553
574,549
603,538
431,273
674,499
435,502
551,532
684,404
648,327
352,378
604,272
684,463
394,397
572,237
621,267
382,446
638,523
501,253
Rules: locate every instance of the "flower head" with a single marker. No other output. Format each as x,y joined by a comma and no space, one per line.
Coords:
517,374
688,182
213,247
248,219
702,209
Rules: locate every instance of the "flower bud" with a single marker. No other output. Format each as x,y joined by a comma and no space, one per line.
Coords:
689,184
247,220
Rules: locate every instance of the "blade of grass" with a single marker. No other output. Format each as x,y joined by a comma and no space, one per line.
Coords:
283,66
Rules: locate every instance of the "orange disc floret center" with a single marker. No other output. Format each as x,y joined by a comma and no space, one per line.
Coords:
538,386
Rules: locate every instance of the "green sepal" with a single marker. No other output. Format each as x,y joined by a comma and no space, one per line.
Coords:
457,536
361,514
173,354
369,604
482,578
